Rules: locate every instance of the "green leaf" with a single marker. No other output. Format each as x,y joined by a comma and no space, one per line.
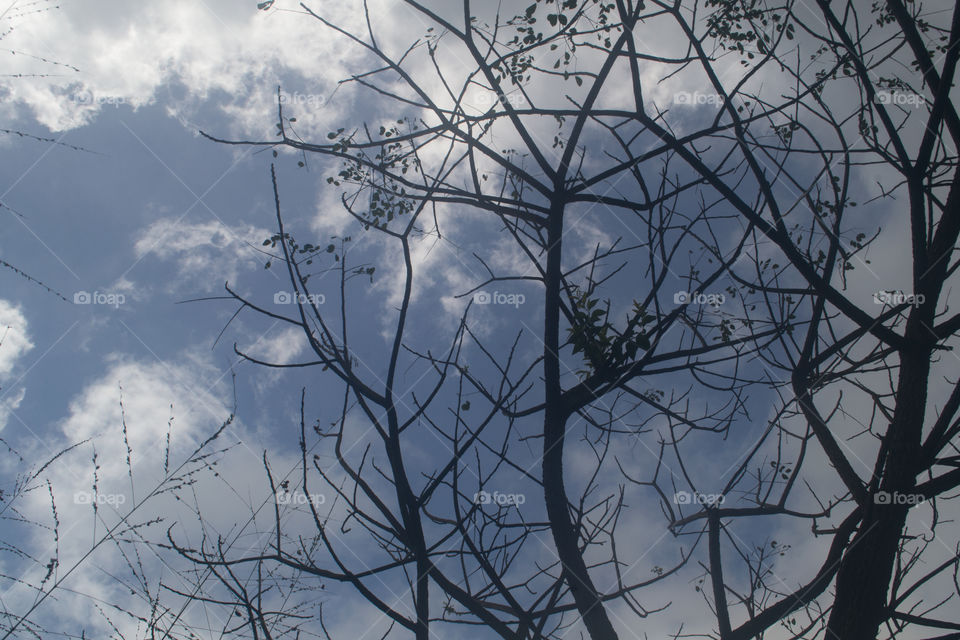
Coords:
643,341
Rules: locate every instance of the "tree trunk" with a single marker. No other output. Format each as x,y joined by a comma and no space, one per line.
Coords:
864,577
565,533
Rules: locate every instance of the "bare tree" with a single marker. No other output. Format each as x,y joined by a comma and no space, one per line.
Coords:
741,218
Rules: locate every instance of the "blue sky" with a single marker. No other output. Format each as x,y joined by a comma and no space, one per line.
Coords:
154,213
150,215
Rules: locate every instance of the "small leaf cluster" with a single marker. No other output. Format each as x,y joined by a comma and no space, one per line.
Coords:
387,204
785,131
784,471
594,335
308,250
342,142
742,26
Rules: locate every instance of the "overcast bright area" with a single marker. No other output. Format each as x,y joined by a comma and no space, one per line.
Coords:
136,411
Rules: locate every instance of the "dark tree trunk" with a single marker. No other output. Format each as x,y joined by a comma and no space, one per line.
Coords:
565,534
865,571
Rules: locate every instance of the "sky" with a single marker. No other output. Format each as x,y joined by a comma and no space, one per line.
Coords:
128,214
121,345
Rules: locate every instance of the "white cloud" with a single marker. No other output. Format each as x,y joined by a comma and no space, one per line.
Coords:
179,51
9,404
207,253
281,348
192,392
14,344
14,340
182,54
228,492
